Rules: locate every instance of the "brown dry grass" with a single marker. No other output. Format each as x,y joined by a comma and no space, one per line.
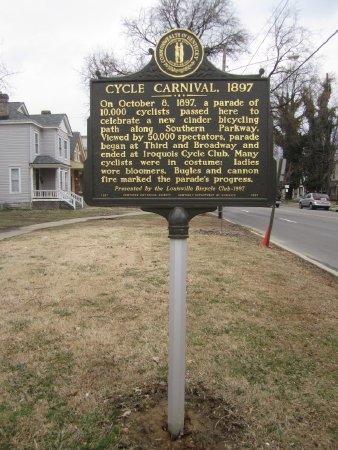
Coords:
83,322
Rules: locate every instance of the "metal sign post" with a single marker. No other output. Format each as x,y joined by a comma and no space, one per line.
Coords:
177,332
178,219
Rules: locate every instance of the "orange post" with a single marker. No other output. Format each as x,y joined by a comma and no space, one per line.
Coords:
266,240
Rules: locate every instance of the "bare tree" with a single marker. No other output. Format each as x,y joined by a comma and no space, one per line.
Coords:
4,74
288,114
287,48
288,42
102,63
283,42
213,21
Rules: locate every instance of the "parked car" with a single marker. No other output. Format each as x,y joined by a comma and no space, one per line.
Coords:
315,200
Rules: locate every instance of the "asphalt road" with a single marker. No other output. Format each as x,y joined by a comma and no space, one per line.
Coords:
312,234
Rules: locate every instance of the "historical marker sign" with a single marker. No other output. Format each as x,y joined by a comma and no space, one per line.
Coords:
180,132
178,138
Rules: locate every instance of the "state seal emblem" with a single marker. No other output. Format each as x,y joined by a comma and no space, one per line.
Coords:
179,53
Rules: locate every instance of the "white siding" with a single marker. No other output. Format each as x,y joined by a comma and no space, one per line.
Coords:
64,137
48,143
15,141
33,131
63,127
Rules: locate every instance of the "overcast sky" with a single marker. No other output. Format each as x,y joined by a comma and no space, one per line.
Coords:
44,43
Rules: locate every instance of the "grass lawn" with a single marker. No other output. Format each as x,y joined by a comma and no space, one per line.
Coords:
83,341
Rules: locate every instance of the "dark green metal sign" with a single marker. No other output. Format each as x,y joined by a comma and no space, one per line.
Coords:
179,133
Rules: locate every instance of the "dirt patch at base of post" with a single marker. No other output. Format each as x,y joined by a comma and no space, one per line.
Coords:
210,422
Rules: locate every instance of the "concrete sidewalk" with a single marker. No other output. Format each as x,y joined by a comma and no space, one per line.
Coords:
40,226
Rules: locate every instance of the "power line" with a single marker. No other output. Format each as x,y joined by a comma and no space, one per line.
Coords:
267,33
306,60
252,64
267,21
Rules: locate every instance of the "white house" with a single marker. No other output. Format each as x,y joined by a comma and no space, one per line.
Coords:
35,166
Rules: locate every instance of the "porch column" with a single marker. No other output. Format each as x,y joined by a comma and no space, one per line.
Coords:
69,187
57,179
31,176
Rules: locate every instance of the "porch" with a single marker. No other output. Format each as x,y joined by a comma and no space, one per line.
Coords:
58,195
51,182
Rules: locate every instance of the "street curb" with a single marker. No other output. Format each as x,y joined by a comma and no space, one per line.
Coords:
284,247
306,258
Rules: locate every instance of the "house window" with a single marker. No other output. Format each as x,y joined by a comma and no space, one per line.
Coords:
14,180
65,147
60,147
36,143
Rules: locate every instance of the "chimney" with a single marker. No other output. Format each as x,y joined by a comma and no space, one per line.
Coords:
4,106
45,112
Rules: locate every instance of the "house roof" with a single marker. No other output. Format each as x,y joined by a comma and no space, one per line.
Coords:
76,165
18,112
73,140
44,160
48,120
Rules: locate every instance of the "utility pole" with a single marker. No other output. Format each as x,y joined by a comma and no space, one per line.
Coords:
220,208
224,58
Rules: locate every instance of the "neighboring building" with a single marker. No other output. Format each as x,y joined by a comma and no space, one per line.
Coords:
85,145
35,165
77,157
